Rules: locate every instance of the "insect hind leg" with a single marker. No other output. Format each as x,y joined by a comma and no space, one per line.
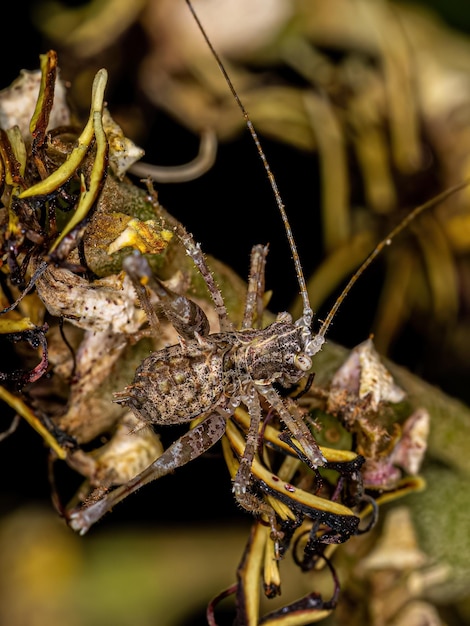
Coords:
188,447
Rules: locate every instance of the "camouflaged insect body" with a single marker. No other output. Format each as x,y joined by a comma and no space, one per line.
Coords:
182,382
202,378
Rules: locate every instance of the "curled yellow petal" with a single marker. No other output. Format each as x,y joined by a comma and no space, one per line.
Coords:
40,118
88,197
271,434
65,171
16,326
249,573
147,237
271,573
278,486
22,409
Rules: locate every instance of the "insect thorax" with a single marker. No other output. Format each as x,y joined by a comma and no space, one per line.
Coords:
179,383
272,354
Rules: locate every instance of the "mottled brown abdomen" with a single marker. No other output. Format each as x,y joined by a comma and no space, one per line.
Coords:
176,385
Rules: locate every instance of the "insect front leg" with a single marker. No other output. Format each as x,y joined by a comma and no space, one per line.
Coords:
193,250
185,315
185,449
310,453
254,305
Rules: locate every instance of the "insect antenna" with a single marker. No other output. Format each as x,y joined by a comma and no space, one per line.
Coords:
386,241
314,344
307,316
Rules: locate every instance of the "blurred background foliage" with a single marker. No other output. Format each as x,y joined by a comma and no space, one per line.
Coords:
363,109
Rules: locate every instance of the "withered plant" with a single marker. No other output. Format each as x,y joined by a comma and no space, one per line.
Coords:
132,330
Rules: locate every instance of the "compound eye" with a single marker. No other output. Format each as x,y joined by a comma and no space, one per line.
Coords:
284,317
303,362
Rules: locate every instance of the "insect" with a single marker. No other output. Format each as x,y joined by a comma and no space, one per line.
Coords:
206,376
198,383
209,375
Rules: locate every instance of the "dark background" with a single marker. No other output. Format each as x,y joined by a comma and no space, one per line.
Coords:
232,207
236,186
237,210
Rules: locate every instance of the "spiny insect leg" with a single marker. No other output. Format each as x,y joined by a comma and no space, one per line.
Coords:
290,415
243,475
194,251
241,483
185,315
185,449
254,296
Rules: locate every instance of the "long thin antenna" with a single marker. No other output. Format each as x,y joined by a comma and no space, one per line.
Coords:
385,242
307,316
307,310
